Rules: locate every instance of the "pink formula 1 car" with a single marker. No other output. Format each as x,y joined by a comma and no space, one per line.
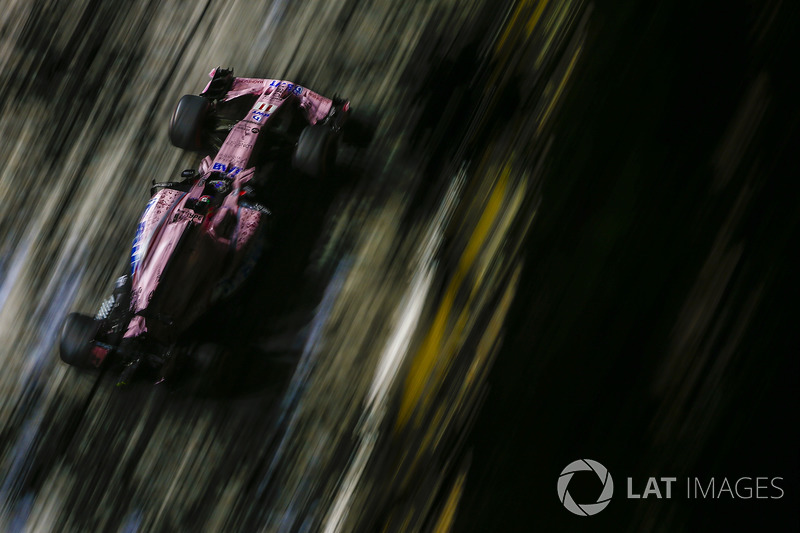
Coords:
200,237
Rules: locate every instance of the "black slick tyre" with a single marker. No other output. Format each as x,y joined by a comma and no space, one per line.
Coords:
187,125
315,154
77,333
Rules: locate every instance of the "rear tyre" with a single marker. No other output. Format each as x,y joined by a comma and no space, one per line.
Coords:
77,334
315,153
187,125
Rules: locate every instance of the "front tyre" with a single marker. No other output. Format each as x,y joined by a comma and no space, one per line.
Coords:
188,123
77,335
315,153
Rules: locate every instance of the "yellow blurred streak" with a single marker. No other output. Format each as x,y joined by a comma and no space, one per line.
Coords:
535,18
487,344
445,521
560,89
513,33
424,368
516,20
555,22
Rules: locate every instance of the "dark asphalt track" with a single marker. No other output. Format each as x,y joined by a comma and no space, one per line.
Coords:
570,239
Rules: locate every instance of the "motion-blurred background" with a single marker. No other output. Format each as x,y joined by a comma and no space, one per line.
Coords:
570,238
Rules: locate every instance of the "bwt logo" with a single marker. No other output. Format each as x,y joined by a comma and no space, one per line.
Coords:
585,509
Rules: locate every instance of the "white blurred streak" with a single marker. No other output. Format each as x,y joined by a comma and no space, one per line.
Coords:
392,357
11,274
288,413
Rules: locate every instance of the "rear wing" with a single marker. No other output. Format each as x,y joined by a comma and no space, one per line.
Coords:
316,105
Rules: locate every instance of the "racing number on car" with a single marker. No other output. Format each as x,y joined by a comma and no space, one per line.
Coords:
261,111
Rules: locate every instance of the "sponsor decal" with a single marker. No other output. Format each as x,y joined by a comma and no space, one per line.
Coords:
231,171
261,111
242,144
290,87
185,214
232,158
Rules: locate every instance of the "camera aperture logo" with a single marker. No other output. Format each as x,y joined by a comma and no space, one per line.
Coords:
585,509
742,488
